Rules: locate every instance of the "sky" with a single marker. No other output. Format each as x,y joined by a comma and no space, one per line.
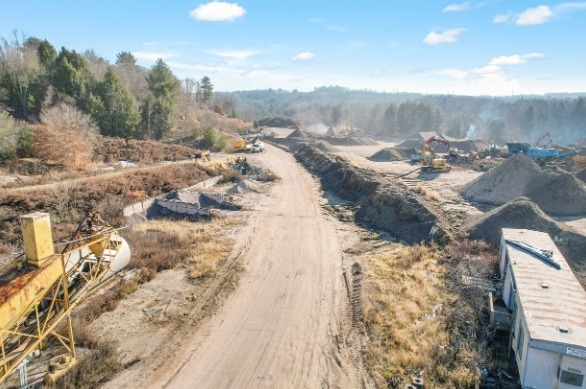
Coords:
485,47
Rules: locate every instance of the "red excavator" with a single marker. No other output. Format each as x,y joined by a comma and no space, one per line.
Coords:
542,137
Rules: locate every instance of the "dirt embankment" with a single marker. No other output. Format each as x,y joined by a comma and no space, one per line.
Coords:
382,204
558,193
523,213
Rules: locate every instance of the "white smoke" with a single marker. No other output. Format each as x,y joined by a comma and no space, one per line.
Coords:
470,132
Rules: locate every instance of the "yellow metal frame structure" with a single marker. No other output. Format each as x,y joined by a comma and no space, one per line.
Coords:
82,267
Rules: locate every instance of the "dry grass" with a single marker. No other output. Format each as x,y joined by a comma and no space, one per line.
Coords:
420,318
427,193
204,245
94,368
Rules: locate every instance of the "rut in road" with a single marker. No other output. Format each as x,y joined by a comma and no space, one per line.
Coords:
288,323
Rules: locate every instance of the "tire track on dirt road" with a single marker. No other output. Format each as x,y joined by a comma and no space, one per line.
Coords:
283,327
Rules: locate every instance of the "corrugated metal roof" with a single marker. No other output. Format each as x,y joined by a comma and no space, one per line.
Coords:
548,310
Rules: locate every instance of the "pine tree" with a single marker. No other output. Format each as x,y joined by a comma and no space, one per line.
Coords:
209,137
120,117
207,90
164,89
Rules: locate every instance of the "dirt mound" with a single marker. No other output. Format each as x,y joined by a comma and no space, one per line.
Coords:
382,204
559,194
349,141
278,121
388,155
556,192
325,146
297,134
581,175
244,186
331,132
523,213
503,183
470,145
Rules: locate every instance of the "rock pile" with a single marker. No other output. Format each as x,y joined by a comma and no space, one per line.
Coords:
557,193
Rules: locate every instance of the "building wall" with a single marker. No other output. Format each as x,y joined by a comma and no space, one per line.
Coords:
542,369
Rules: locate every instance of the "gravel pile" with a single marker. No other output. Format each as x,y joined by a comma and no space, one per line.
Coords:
388,155
558,193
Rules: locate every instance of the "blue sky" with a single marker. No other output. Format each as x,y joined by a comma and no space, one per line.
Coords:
485,47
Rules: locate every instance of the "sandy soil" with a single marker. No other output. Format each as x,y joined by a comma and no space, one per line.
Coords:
287,324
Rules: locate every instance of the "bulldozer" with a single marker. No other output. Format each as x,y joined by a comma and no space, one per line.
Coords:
431,164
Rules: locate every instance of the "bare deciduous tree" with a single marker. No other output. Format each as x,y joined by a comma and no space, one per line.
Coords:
21,65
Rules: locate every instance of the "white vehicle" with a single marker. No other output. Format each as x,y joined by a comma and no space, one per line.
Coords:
258,148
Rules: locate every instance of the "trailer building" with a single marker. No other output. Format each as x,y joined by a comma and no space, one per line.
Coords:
548,333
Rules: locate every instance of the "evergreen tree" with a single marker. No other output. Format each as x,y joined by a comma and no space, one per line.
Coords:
24,142
209,137
46,53
207,90
114,109
164,90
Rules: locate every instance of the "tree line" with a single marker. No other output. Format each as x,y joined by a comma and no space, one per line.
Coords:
498,119
123,99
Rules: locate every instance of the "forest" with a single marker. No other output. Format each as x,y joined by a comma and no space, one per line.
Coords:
499,119
81,95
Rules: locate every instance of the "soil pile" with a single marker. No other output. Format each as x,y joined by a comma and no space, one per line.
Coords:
277,121
325,146
349,140
503,183
388,155
244,186
297,134
330,132
382,204
556,192
523,213
581,175
559,194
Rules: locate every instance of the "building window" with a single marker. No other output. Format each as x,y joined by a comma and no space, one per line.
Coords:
567,377
520,340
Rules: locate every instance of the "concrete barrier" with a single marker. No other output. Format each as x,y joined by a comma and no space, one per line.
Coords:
142,206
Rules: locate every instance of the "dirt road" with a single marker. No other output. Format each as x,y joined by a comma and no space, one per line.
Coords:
284,326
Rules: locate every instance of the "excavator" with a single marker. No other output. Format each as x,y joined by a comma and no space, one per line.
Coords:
433,164
45,283
546,135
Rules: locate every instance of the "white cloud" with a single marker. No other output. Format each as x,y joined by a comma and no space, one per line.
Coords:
152,56
532,16
569,7
239,55
540,14
304,56
218,11
205,68
457,7
448,36
515,59
503,18
492,70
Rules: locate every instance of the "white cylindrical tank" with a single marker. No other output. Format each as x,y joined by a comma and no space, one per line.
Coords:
121,258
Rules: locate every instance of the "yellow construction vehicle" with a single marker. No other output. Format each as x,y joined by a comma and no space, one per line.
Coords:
41,288
432,164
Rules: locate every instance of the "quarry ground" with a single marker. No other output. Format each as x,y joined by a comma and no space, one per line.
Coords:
287,323
287,320
279,310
